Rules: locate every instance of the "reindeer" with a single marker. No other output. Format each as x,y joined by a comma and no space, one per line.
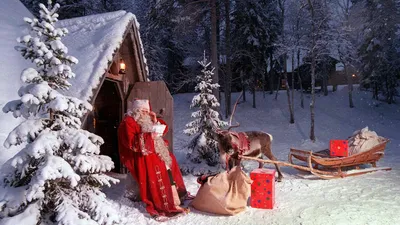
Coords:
231,145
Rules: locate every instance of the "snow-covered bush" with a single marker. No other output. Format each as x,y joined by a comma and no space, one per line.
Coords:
203,147
56,177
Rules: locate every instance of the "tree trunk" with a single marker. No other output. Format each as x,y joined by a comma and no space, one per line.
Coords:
282,7
263,83
300,82
388,89
293,82
271,77
325,84
228,79
277,86
218,33
313,63
243,86
375,90
214,46
349,86
391,92
312,132
291,120
254,91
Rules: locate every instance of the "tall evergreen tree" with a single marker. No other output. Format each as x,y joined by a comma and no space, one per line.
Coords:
164,50
58,174
203,146
379,52
255,30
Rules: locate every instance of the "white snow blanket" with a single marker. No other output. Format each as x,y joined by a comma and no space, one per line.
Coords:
362,140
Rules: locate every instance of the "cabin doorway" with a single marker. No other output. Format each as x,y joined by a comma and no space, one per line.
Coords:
107,113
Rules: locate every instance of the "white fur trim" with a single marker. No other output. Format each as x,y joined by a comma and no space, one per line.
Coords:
270,136
141,104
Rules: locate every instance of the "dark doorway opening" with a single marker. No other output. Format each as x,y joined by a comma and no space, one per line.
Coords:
108,111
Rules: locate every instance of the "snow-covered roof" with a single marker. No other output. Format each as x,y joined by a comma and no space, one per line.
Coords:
339,66
12,63
93,40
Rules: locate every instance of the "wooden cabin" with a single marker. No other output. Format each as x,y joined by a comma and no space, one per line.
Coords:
111,72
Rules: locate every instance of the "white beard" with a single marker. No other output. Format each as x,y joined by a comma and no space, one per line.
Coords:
145,123
161,149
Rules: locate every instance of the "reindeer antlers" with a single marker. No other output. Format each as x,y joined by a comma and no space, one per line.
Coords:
237,125
233,112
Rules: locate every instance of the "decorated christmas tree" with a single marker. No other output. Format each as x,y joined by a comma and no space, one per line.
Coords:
57,175
203,147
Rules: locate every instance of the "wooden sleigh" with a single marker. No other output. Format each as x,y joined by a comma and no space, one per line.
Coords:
321,165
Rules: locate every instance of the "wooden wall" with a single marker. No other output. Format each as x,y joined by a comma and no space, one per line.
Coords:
159,96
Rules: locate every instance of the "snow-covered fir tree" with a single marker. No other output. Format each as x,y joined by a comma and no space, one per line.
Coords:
56,177
203,147
256,27
379,52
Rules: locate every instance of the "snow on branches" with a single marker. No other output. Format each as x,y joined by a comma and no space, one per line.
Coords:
46,50
206,119
57,175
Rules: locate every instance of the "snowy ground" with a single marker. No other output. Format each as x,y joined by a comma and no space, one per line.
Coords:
367,199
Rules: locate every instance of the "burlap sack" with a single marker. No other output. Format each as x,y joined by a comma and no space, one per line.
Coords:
225,193
362,140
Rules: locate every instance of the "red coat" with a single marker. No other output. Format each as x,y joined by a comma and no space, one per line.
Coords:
149,170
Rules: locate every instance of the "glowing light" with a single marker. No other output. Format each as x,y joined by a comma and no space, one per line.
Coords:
122,66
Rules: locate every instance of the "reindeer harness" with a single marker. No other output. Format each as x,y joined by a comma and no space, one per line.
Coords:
243,145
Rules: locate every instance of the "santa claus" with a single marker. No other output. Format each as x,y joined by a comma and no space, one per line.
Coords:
145,153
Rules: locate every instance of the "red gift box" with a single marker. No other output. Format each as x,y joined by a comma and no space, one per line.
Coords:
262,188
339,148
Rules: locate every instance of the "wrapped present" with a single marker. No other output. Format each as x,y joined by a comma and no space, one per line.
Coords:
339,148
263,188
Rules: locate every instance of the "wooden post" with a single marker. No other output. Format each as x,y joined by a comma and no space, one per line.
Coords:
51,114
